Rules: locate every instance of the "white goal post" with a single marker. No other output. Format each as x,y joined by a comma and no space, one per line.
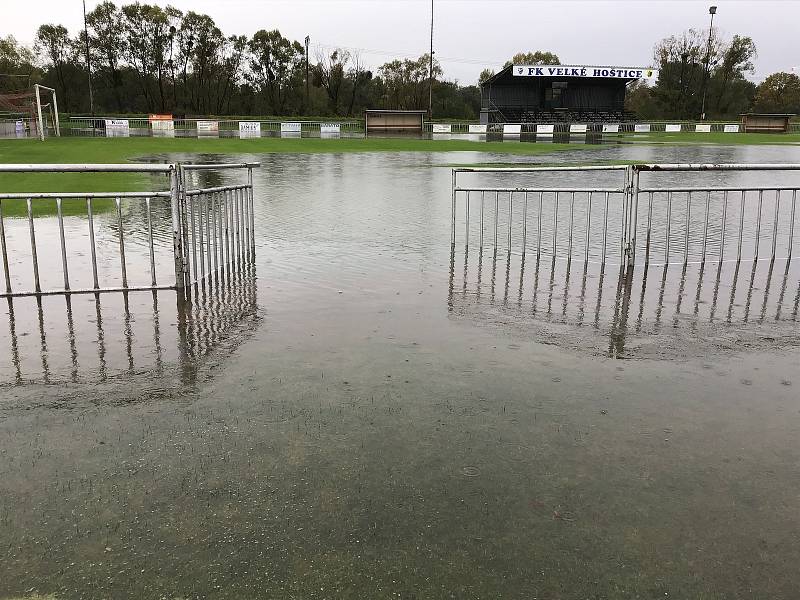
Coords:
53,110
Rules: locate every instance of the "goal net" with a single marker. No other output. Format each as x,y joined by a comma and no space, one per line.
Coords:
32,113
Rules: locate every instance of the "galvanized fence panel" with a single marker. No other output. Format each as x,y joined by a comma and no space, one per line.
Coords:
626,222
167,222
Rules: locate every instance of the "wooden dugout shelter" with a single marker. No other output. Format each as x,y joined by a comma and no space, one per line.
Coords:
395,121
766,122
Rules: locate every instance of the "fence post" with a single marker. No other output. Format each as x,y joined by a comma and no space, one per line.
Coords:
635,216
177,227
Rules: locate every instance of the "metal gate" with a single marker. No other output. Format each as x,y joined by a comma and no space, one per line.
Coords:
211,231
629,214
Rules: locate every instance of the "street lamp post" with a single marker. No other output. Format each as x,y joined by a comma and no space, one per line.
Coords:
712,10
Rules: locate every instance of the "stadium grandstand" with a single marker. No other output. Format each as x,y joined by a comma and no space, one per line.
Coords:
559,93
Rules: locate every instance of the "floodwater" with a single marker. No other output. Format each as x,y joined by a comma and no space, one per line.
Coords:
366,412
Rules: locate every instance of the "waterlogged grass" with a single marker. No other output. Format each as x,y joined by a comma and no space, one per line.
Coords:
123,150
694,138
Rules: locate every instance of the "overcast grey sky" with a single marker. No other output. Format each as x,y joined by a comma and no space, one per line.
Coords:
472,34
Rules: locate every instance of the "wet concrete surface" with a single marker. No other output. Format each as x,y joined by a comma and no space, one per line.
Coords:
366,414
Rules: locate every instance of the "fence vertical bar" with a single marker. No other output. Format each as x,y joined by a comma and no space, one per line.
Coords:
214,230
226,246
238,206
688,224
525,223
510,215
705,226
177,230
251,210
775,221
741,228
634,216
201,225
453,210
483,198
150,243
649,226
190,201
758,223
220,225
466,219
555,225
791,224
588,226
605,230
34,256
669,223
4,250
92,246
496,210
122,265
64,266
539,225
571,222
724,224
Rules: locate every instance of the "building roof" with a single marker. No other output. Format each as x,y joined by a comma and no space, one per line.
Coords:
396,111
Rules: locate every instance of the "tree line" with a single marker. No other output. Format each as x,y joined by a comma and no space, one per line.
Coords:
145,58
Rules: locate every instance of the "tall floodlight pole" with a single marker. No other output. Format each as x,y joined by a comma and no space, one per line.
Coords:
430,72
308,39
88,61
712,11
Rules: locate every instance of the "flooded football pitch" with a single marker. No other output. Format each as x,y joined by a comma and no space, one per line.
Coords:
366,412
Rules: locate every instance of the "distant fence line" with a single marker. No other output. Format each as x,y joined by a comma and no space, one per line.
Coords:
253,128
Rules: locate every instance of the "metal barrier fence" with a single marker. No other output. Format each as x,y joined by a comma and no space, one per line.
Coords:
631,217
225,213
210,127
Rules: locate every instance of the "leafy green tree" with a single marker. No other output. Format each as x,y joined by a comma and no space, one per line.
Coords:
107,47
274,63
17,65
329,73
728,85
538,57
53,42
406,82
485,74
779,93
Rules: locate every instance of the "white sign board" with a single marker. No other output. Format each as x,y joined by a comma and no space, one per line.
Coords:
545,129
703,128
207,127
510,129
330,128
577,128
610,127
291,127
731,128
642,128
249,129
162,125
441,128
672,128
584,71
477,128
118,128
